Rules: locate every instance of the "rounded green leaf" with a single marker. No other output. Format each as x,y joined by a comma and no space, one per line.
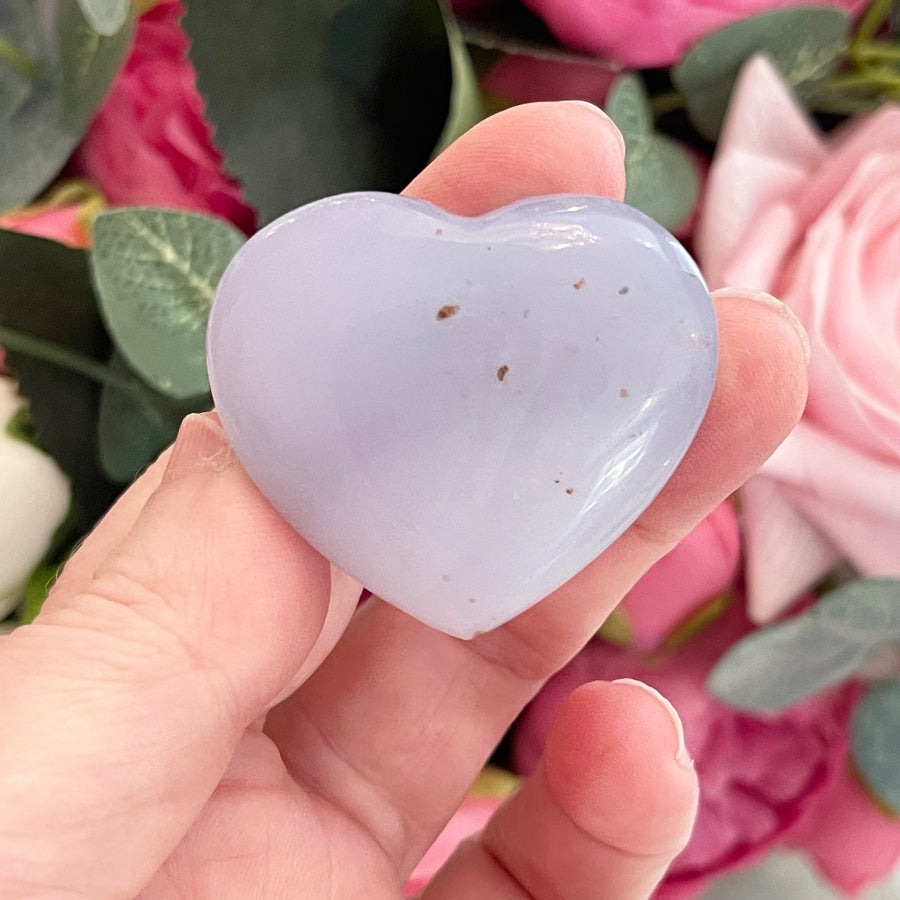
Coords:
776,666
627,105
63,69
106,17
803,42
661,179
156,272
136,426
875,742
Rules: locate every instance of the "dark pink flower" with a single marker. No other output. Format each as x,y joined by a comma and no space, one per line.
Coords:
149,143
762,778
701,567
643,34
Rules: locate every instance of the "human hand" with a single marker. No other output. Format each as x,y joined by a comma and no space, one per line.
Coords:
201,711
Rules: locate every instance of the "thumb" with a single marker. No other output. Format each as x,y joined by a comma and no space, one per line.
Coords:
178,622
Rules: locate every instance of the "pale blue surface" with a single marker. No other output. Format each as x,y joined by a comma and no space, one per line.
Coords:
462,465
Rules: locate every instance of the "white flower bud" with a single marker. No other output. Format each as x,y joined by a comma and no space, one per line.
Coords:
34,499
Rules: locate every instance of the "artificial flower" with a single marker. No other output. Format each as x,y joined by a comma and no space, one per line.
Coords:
646,34
149,143
816,221
761,777
695,572
34,497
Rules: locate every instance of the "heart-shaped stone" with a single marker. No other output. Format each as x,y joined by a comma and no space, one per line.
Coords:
461,412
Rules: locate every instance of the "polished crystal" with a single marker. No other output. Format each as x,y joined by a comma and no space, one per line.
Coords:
462,412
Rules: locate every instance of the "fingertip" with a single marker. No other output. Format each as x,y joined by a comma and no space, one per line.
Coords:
616,763
532,149
779,357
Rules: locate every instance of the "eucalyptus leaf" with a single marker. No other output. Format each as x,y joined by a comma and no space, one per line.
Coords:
315,98
777,666
106,17
135,426
90,59
661,179
156,272
875,742
47,297
63,70
803,42
628,106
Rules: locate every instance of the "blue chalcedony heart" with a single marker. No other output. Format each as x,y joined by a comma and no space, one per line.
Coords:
461,412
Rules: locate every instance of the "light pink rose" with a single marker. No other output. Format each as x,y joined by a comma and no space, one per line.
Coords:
696,571
764,780
149,143
648,33
816,222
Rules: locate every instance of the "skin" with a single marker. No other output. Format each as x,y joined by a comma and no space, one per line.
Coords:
201,712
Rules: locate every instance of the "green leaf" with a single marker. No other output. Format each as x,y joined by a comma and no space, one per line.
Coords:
90,60
875,741
628,106
804,43
466,107
136,426
324,96
776,666
47,297
55,72
156,272
106,17
661,179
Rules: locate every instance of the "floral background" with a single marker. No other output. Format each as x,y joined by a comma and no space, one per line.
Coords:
765,134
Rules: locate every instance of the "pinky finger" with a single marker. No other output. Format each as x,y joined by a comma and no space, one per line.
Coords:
610,805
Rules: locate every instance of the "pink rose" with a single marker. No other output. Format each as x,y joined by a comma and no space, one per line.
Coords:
699,568
817,223
58,223
763,779
149,143
644,34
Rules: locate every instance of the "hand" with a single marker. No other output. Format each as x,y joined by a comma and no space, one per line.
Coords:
201,712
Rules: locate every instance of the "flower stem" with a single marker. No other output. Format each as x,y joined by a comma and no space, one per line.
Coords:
869,24
72,360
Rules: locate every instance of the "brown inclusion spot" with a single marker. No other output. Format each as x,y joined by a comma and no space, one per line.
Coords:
579,284
501,372
445,312
624,392
570,491
623,290
438,231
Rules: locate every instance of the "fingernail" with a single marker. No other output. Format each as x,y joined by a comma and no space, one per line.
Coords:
201,446
682,757
584,104
773,303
